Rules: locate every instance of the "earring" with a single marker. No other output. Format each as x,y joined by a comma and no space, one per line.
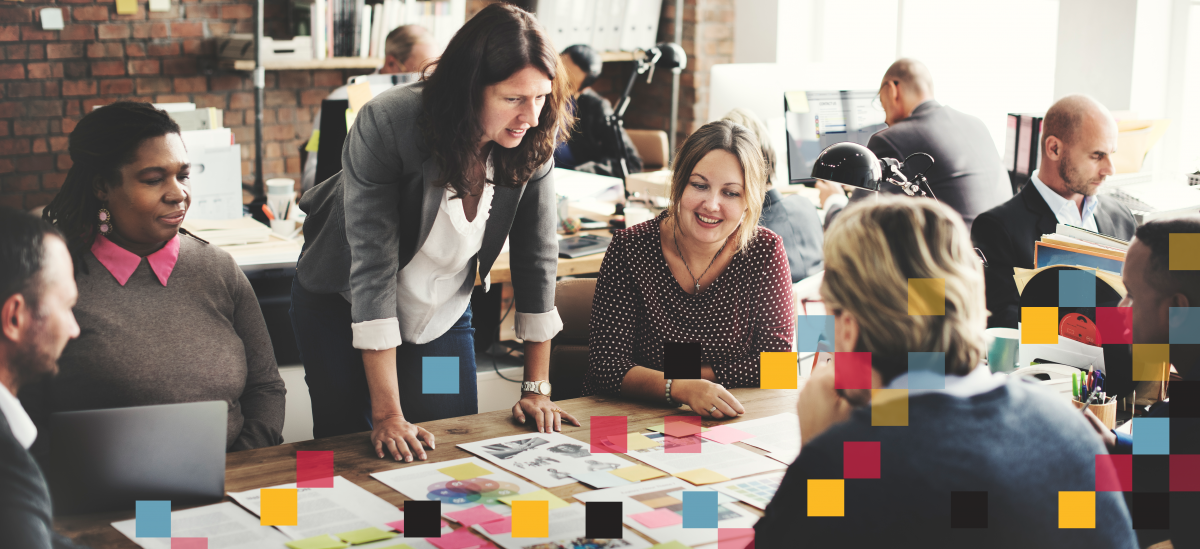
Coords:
105,218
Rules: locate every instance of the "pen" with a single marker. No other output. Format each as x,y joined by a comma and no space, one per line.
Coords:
267,212
1088,402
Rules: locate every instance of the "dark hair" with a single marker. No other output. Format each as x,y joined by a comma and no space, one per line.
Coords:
22,254
1156,235
104,141
588,59
400,42
492,46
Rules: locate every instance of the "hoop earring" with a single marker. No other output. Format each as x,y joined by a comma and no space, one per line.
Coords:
105,218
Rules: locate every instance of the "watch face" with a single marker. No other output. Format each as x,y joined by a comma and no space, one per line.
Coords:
544,387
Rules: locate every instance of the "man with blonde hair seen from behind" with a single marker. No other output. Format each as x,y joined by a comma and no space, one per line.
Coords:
1079,138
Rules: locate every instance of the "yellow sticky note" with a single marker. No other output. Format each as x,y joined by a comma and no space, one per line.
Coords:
464,471
323,541
1151,361
126,7
778,371
1183,252
1076,509
826,497
277,506
360,93
638,441
540,495
797,101
927,296
1039,325
350,114
365,535
889,407
702,476
531,519
638,473
313,142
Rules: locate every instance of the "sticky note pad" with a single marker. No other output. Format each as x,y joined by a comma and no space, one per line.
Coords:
671,545
1184,325
126,7
889,407
439,375
314,469
359,94
860,459
313,142
826,497
1076,288
1151,435
852,370
735,538
778,371
1076,509
638,441
1183,252
464,471
926,296
422,519
661,428
725,434
1039,325
814,333
702,476
1114,473
699,509
502,526
927,371
399,526
540,495
681,360
531,519
160,5
638,473
607,434
350,115
189,543
600,479
152,519
364,535
458,539
602,520
475,515
1151,361
323,541
277,506
657,518
681,426
1115,324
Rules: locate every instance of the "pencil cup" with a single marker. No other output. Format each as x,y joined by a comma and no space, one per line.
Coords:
1106,412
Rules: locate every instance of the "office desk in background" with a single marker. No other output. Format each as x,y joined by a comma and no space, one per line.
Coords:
355,460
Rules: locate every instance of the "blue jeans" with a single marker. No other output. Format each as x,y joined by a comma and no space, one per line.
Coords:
337,381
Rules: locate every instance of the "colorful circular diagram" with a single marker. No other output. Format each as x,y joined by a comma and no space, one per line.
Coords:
475,490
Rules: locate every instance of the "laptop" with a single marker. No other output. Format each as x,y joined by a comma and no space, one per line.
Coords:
106,460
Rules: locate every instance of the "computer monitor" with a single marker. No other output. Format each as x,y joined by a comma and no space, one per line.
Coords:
815,120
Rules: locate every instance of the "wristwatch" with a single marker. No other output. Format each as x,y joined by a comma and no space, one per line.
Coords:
539,387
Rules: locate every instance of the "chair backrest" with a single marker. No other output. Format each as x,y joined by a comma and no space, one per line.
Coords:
653,146
569,351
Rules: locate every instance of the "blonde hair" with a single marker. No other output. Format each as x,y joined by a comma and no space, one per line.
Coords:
746,118
735,139
870,255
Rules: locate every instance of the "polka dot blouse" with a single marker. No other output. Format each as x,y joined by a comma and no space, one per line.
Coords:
639,305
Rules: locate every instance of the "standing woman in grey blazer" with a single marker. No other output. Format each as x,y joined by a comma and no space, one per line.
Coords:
435,176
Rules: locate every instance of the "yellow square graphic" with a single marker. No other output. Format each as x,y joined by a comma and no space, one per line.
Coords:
277,506
889,407
1039,325
926,296
1183,253
1076,509
1151,361
778,371
530,519
826,497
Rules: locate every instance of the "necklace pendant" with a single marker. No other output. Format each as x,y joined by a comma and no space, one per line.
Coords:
697,287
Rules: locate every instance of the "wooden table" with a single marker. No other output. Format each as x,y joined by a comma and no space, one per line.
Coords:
355,460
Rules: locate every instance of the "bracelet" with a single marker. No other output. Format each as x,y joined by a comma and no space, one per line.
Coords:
670,402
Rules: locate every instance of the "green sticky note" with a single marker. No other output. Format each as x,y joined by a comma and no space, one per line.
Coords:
540,495
365,535
464,471
318,542
660,428
671,545
401,546
349,118
313,142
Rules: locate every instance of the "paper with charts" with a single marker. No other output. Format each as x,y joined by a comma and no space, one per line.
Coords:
778,435
459,484
664,496
567,526
726,459
225,525
757,490
546,459
343,508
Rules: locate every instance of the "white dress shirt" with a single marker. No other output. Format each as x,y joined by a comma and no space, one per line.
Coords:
22,427
1065,210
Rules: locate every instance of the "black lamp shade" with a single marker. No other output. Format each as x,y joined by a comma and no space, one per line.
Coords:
673,56
849,164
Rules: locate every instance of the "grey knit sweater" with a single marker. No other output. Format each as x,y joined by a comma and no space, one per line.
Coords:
200,337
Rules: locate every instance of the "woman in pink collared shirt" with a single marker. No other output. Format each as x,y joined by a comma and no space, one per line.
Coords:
182,325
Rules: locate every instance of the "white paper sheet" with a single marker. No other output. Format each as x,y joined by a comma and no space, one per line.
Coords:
778,434
726,459
425,482
343,508
649,495
567,528
546,459
757,490
226,526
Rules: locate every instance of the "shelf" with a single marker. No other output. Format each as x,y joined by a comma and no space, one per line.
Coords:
333,63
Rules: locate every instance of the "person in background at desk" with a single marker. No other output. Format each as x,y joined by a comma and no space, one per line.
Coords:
1161,299
947,424
435,176
966,175
794,218
1078,139
36,296
407,49
592,146
702,271
166,318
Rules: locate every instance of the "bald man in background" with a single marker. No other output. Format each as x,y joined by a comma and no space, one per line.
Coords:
966,175
1079,137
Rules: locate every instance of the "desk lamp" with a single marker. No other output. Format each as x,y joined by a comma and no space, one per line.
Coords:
855,165
667,55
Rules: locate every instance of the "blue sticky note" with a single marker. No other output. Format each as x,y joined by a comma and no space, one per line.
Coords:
1151,435
699,509
1184,324
814,333
1076,288
439,375
153,519
926,371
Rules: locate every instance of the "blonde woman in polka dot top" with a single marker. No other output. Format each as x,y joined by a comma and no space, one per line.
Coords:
703,271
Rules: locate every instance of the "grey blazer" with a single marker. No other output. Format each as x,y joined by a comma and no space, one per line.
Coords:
368,221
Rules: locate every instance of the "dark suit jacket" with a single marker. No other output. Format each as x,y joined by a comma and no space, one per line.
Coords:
26,518
1006,235
796,221
593,144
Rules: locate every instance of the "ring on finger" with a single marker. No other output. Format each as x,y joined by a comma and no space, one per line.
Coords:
713,409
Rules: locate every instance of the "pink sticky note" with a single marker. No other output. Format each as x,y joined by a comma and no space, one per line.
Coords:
459,539
399,525
502,526
735,538
474,515
189,543
725,434
658,518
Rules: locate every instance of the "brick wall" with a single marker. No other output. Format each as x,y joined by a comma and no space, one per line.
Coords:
51,78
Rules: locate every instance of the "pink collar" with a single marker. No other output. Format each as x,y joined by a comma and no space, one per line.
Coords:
121,262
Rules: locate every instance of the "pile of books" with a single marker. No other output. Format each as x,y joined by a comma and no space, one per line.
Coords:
1070,245
355,28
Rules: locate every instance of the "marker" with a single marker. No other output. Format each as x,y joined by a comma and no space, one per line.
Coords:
267,212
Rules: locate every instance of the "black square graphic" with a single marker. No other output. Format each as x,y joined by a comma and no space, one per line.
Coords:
422,519
1151,473
1185,399
1151,510
681,360
968,510
603,520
